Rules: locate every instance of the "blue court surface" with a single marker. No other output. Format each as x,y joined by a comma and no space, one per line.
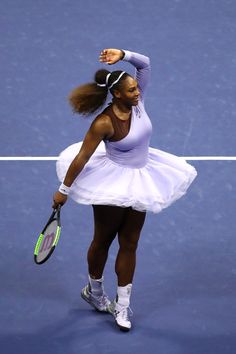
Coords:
184,289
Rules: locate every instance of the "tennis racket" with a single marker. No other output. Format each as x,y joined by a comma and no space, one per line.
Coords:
48,238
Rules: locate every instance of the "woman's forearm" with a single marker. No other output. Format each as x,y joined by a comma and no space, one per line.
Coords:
74,170
140,61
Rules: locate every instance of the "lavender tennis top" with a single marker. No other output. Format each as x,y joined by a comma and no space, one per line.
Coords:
132,150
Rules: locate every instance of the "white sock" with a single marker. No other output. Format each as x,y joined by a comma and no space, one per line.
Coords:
123,295
96,286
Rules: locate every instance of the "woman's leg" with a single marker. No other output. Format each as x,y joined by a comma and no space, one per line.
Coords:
107,222
128,236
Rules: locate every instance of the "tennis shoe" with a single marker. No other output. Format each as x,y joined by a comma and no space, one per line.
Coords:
100,303
122,315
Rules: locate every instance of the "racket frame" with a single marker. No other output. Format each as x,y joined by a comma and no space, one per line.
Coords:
41,236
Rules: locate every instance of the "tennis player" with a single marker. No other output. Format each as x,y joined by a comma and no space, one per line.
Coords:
116,172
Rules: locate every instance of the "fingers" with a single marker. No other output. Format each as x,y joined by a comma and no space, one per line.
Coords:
103,56
104,52
58,199
107,56
110,56
55,205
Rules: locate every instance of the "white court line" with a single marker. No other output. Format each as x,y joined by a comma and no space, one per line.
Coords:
55,158
28,158
209,158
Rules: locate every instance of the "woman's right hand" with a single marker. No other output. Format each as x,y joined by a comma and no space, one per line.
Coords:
58,199
111,56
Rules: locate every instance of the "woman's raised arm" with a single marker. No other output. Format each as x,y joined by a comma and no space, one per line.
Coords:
139,61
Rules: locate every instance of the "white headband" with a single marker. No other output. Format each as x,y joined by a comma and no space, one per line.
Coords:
107,78
115,82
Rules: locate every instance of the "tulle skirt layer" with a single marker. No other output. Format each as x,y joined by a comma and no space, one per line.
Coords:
164,179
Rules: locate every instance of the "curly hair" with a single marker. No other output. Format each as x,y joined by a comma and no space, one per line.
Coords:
89,98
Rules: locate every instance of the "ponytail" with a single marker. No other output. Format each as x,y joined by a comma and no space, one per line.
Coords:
87,99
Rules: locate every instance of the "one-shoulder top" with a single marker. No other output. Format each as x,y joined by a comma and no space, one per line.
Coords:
132,137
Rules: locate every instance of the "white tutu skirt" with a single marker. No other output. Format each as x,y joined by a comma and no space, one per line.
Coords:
164,179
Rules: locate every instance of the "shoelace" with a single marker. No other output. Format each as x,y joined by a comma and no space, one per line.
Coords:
103,300
125,313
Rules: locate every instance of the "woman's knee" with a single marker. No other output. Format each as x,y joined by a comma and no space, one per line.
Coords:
128,243
101,245
107,221
129,233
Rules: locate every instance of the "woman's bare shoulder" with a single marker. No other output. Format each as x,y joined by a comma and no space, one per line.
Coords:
103,118
103,123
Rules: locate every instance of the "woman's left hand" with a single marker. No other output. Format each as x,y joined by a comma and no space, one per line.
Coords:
111,56
58,199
